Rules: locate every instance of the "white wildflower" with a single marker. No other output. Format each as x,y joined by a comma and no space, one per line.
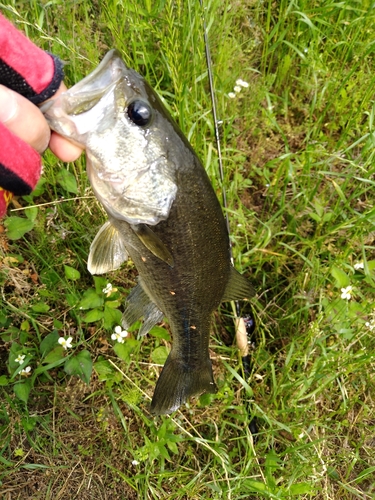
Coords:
346,293
119,334
359,265
26,371
20,358
237,89
232,95
135,462
370,325
108,289
241,83
66,343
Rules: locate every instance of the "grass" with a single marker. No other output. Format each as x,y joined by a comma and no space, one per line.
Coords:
298,150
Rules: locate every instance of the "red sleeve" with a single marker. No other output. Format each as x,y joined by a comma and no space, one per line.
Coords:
25,68
20,164
36,75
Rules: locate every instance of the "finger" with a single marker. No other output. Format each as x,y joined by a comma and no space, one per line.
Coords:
64,149
24,119
61,147
60,90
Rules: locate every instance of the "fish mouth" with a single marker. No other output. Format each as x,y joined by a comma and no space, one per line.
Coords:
85,94
113,178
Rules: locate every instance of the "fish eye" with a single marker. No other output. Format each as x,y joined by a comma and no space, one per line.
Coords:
139,113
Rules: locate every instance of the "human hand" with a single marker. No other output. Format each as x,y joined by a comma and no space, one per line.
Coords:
30,136
27,122
28,77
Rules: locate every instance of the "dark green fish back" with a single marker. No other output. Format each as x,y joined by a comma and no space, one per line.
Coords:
195,236
163,212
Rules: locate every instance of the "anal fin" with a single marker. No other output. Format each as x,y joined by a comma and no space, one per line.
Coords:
139,304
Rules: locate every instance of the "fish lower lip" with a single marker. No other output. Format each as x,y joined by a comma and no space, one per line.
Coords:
108,177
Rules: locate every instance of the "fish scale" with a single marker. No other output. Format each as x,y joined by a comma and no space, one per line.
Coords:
162,211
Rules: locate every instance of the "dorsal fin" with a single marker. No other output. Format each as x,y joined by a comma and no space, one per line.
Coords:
238,287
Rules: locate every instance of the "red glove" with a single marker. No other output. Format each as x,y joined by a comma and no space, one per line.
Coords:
36,75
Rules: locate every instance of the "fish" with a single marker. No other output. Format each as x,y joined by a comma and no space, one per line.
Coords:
162,212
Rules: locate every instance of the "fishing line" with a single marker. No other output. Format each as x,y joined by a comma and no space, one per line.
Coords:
216,125
239,327
244,326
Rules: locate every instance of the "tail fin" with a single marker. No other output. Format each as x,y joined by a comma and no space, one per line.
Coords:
178,381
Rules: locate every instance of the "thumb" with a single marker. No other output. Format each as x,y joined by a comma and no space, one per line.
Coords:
24,119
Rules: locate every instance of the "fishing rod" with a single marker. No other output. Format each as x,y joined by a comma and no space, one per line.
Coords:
244,325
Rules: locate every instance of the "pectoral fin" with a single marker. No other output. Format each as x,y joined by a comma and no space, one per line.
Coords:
139,304
107,251
153,243
238,287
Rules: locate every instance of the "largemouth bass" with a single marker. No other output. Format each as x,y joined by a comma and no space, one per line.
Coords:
162,211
